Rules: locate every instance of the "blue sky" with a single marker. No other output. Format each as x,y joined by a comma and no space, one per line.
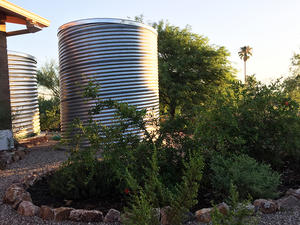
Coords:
270,27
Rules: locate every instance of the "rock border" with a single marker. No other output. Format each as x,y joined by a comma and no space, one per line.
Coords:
13,155
17,196
20,199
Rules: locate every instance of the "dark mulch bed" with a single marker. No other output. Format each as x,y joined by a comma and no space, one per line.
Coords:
40,194
290,179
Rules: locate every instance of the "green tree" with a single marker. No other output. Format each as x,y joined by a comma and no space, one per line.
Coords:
292,83
245,53
190,68
47,77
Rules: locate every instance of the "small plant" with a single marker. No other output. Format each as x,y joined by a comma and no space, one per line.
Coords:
249,176
239,213
155,194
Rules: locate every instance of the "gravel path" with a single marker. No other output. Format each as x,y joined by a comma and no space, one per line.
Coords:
290,217
45,156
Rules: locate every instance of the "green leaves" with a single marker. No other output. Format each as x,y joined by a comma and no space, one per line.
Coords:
253,119
47,76
189,68
249,176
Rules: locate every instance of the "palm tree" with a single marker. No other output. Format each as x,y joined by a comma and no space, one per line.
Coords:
245,53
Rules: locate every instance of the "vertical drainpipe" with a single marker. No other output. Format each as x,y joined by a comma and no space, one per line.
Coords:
6,138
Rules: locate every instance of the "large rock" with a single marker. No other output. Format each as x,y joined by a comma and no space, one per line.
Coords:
27,208
164,220
203,215
294,192
82,215
266,206
223,208
15,194
30,180
288,202
112,216
62,213
46,213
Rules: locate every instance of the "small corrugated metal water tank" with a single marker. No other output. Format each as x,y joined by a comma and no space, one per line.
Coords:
23,94
119,55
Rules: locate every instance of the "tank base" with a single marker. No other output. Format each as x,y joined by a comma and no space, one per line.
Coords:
6,140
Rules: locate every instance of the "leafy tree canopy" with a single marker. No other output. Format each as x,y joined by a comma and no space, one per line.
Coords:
47,76
292,83
190,68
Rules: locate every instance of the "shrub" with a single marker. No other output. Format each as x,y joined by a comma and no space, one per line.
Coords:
49,114
249,176
154,193
255,119
84,177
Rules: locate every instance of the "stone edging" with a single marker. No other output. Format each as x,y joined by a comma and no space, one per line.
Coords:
17,196
9,156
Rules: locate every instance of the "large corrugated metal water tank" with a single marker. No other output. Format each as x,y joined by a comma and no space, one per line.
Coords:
23,94
119,55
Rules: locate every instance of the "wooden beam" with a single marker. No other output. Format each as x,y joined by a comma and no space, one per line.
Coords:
12,19
31,28
17,32
23,13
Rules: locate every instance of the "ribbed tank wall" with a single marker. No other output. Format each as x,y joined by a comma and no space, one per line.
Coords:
23,94
120,55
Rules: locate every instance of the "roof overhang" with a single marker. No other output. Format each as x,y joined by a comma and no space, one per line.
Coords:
11,13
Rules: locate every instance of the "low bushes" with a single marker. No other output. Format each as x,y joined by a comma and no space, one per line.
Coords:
49,114
259,120
250,177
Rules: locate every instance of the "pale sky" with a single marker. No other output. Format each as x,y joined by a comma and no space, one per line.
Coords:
270,27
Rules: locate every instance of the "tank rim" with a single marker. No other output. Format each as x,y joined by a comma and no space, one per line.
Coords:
105,20
22,54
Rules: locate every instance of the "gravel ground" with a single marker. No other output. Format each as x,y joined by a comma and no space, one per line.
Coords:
290,217
45,156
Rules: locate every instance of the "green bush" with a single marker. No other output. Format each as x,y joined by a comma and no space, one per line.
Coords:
84,177
155,172
255,119
155,194
49,114
249,176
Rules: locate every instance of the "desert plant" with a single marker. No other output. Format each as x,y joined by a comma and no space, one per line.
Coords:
154,193
249,176
254,119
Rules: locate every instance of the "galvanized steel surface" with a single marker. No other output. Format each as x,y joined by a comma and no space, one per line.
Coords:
120,55
23,93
